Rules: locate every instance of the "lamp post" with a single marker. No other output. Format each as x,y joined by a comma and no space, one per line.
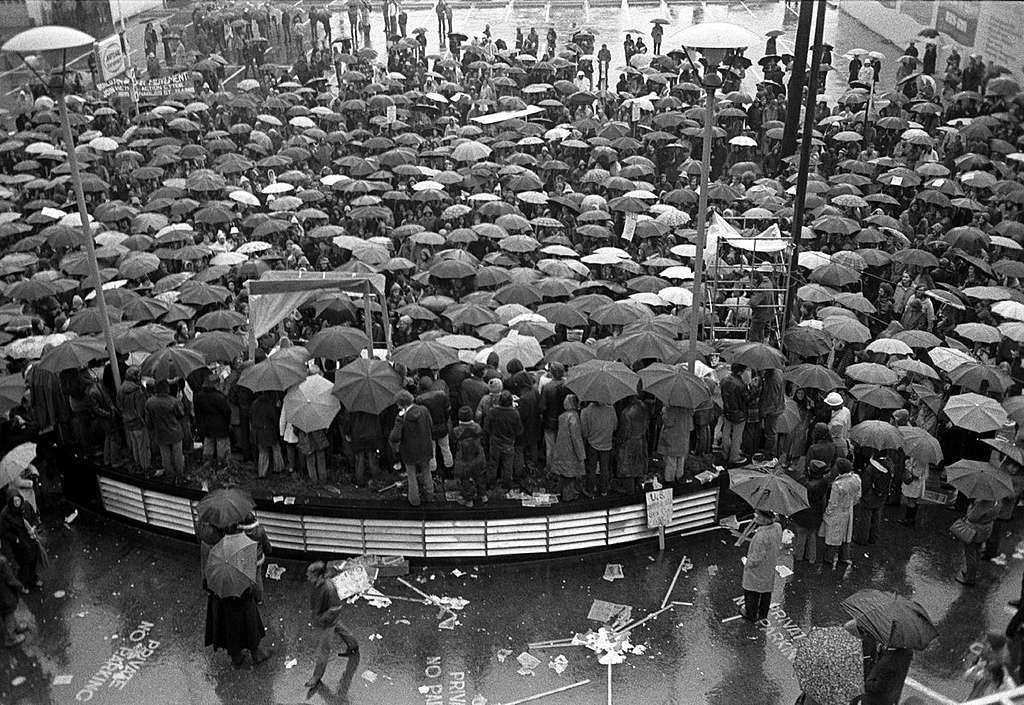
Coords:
712,40
52,43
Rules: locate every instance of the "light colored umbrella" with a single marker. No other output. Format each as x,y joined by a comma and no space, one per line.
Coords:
15,462
920,445
980,480
974,412
829,666
889,346
309,405
524,348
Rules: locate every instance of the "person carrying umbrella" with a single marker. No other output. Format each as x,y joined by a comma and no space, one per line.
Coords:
233,620
325,612
759,568
657,32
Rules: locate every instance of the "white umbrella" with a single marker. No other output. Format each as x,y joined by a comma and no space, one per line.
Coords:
245,198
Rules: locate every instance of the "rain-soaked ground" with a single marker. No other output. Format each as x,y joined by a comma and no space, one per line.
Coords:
110,586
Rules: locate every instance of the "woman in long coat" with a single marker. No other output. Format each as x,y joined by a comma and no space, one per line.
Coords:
567,459
759,568
837,525
631,440
18,522
235,625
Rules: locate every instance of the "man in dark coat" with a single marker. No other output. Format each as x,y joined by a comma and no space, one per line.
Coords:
213,420
734,409
412,440
503,427
439,405
474,387
165,416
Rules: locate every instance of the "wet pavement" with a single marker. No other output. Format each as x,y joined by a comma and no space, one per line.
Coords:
110,587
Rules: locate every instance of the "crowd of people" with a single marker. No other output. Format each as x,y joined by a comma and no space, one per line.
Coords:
532,230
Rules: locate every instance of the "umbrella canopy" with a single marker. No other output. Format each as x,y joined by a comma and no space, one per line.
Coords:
309,405
274,374
979,480
879,435
224,508
893,620
920,445
516,346
768,491
12,390
367,385
424,354
674,385
14,463
338,343
809,376
602,381
974,412
171,363
231,565
829,666
756,356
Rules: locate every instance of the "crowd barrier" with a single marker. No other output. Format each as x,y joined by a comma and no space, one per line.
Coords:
307,528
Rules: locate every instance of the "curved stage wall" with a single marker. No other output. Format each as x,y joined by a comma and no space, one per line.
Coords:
435,532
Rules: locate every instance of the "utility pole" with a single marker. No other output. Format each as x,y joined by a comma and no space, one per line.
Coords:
795,89
805,157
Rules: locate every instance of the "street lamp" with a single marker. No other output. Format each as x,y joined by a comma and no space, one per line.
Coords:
52,44
713,40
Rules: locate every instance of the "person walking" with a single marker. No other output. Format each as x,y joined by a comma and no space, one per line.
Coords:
759,568
837,523
165,416
597,424
325,613
990,671
213,421
977,528
131,405
441,9
734,415
18,523
657,32
412,440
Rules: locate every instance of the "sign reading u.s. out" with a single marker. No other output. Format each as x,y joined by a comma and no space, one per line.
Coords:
109,57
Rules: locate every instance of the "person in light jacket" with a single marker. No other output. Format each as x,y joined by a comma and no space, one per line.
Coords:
759,568
837,524
674,441
981,515
568,457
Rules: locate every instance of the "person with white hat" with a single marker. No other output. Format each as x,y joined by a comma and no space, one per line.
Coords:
839,423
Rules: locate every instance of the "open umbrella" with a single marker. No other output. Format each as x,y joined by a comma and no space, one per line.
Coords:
602,381
809,376
367,385
15,462
12,389
920,445
974,412
756,356
170,363
979,480
516,346
768,491
231,565
273,374
893,620
879,435
674,385
338,343
225,507
72,354
218,346
829,666
309,405
570,353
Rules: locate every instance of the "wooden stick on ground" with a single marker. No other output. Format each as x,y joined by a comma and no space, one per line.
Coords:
430,600
553,644
672,585
637,623
538,696
609,684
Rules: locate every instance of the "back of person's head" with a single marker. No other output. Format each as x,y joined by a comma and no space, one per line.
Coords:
403,399
494,386
557,370
493,360
514,365
477,369
465,414
843,465
162,387
737,369
505,399
426,384
571,403
820,432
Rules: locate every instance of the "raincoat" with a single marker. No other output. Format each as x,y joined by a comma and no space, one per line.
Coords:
762,556
913,483
567,459
632,440
837,526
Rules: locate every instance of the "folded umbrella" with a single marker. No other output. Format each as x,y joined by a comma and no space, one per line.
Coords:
893,620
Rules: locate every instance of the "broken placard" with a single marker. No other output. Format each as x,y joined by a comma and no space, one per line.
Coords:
613,572
448,623
783,571
274,571
353,580
606,612
558,664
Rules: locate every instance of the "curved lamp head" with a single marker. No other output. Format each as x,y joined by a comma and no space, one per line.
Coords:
713,39
49,41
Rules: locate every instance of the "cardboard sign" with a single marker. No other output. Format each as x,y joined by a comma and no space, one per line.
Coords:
659,508
629,227
392,114
149,87
110,60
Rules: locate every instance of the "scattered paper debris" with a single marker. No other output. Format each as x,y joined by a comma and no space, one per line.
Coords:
278,498
479,700
712,570
1000,559
734,617
503,654
291,663
458,573
606,612
787,537
374,637
424,689
18,680
730,522
527,663
377,599
613,572
289,500
63,679
783,571
402,621
70,518
558,664
369,676
59,594
448,623
274,571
